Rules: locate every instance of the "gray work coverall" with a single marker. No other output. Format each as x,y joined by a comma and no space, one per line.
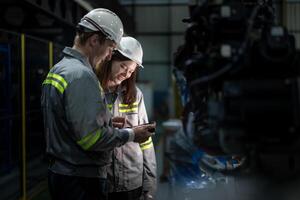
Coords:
76,118
134,165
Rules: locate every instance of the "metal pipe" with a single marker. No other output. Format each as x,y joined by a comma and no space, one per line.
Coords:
23,72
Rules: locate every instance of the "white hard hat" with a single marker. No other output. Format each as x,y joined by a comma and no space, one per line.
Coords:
104,20
132,49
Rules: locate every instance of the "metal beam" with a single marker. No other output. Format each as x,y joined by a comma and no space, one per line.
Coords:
42,18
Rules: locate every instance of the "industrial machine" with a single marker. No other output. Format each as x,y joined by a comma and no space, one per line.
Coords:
238,72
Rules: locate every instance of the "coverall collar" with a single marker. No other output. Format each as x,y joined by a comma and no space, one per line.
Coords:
118,90
76,54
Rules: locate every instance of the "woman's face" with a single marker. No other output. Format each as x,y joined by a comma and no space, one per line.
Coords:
120,71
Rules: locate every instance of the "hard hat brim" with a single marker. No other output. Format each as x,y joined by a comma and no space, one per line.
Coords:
124,54
87,26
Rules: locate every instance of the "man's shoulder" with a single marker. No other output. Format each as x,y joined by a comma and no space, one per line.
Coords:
72,69
71,64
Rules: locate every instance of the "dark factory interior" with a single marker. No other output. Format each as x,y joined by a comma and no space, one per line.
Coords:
220,79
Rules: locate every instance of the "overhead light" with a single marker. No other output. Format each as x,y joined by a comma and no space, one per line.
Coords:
85,5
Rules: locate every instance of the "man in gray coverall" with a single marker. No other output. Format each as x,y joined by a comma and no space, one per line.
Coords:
79,135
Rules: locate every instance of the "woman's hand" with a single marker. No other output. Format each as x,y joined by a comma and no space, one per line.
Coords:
118,122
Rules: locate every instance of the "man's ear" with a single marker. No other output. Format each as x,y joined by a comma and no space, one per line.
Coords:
93,40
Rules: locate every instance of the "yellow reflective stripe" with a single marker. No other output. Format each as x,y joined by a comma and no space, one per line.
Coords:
121,105
146,145
59,78
148,141
109,106
89,140
56,84
100,87
128,110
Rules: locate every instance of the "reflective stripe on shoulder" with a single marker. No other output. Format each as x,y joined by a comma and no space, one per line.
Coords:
57,81
146,145
89,140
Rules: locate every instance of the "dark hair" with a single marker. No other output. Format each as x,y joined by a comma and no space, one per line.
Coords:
83,36
103,72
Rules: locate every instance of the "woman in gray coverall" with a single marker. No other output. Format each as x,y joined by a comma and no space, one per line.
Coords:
132,174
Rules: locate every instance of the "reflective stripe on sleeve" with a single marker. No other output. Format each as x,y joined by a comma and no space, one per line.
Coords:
56,84
146,145
57,81
89,140
59,78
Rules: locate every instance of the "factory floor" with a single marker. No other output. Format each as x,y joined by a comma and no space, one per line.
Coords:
247,187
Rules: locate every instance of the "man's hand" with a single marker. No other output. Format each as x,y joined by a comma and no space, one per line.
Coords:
142,133
118,122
